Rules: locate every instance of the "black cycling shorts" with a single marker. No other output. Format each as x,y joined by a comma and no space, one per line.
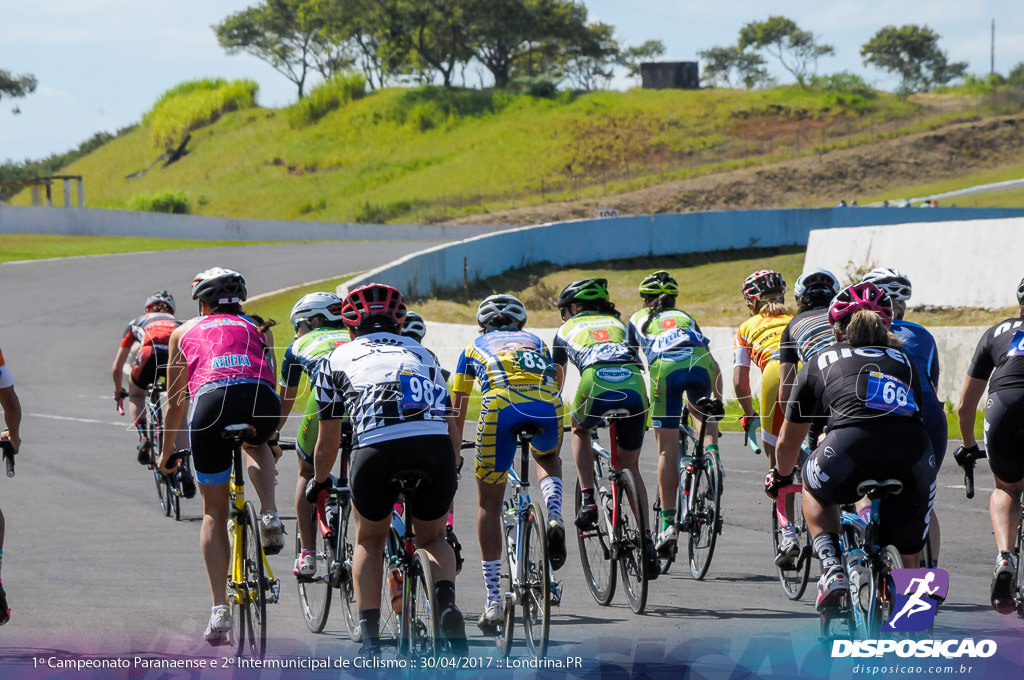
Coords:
1004,434
890,449
150,362
254,404
373,467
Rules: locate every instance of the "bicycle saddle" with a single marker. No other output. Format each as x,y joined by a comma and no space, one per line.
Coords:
872,488
238,432
408,480
711,408
616,413
526,431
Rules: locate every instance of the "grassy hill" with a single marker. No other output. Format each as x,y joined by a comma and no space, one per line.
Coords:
430,154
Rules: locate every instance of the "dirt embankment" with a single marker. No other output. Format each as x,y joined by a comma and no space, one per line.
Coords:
815,181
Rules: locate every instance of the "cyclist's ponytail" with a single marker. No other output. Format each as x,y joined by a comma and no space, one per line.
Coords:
657,305
770,308
868,329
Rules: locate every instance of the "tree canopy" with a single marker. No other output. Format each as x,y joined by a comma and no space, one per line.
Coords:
14,86
913,52
780,37
729,67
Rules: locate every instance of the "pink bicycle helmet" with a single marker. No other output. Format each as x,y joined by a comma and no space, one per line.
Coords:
860,296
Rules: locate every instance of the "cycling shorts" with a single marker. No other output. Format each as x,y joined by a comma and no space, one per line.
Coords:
309,430
374,466
213,409
501,411
1004,434
613,386
150,363
772,414
894,448
692,371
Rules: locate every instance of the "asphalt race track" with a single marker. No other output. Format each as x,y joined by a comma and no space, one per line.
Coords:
92,567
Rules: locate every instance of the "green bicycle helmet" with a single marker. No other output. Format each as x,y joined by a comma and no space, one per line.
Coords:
583,290
659,283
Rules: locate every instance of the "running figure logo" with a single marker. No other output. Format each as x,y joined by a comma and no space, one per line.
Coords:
918,594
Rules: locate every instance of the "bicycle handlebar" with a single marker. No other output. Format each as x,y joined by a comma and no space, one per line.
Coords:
966,458
8,449
119,400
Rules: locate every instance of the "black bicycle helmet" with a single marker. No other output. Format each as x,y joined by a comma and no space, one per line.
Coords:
583,290
1020,293
219,286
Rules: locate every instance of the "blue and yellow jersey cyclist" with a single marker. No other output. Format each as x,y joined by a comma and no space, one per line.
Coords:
518,385
593,338
679,362
318,330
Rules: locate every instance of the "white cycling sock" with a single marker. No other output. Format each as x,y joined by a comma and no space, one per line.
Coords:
492,579
551,487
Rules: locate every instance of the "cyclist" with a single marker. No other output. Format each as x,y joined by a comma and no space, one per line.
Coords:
919,345
868,391
391,390
414,327
518,386
593,337
151,331
12,433
319,328
759,339
805,335
678,361
225,362
999,363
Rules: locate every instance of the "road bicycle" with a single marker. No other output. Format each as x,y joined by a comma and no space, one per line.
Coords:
788,518
527,565
699,494
251,582
617,537
333,551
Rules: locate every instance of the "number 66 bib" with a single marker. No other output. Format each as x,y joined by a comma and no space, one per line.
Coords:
890,394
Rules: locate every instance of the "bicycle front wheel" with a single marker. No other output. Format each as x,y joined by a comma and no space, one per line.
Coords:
793,576
704,517
421,610
536,585
595,544
629,542
255,581
315,591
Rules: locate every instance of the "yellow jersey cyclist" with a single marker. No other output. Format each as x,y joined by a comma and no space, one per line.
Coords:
319,328
678,362
758,341
518,385
593,338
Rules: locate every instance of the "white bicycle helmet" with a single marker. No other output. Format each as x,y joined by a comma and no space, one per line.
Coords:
414,326
501,313
894,282
816,283
327,305
219,286
161,297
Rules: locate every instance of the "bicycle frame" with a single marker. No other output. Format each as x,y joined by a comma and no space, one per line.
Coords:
236,489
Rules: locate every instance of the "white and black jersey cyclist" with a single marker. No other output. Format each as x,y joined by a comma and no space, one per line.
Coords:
390,388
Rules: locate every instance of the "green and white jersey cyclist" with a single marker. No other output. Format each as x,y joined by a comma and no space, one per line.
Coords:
593,338
679,362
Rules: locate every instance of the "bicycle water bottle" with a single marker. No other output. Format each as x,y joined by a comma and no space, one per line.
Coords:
395,586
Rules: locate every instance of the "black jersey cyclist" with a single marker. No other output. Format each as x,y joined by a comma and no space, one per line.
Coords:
679,363
999,363
868,391
319,328
223,360
12,434
391,390
593,338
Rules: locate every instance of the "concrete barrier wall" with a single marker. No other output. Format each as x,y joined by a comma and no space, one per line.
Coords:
95,222
570,243
956,347
953,264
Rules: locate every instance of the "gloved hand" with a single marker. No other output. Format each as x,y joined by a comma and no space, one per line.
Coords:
773,481
315,488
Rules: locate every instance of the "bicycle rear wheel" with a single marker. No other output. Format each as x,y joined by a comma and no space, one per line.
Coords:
704,518
536,585
255,604
793,577
883,591
389,619
629,542
423,624
595,543
315,591
344,551
506,630
1018,586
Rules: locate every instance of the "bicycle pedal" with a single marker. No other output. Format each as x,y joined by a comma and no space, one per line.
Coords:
275,591
556,593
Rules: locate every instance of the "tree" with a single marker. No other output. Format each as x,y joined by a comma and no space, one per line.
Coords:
913,52
780,37
437,35
727,67
14,86
1016,75
591,59
632,57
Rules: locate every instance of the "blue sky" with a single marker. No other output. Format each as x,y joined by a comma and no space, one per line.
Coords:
102,63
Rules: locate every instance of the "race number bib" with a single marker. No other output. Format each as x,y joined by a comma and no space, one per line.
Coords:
530,361
422,394
890,394
1016,344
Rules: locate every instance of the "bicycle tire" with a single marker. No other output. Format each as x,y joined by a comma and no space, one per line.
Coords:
255,642
704,518
595,545
1018,587
238,593
174,493
629,541
536,587
506,632
315,591
883,592
389,620
793,579
344,552
421,597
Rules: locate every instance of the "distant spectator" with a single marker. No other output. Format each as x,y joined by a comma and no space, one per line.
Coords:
853,203
935,203
842,204
885,204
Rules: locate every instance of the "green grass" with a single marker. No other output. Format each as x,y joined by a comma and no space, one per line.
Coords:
39,246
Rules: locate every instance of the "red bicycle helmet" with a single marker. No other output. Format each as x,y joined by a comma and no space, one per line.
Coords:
860,296
764,284
371,304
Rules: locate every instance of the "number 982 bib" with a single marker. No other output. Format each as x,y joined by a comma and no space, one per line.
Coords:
420,394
